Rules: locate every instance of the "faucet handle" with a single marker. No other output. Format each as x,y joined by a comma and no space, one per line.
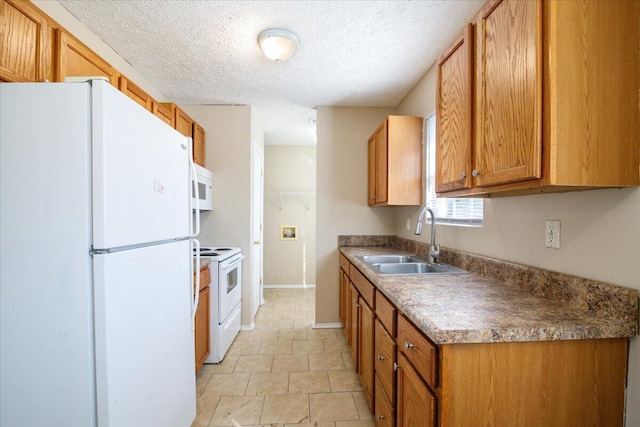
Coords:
434,251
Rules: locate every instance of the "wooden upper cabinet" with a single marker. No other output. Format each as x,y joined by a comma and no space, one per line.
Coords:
198,144
555,100
136,93
183,123
454,114
165,111
76,59
25,49
395,162
509,102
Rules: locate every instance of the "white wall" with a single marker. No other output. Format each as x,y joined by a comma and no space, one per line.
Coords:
82,33
600,234
228,146
342,207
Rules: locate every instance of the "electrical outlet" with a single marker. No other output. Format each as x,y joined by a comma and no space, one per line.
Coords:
408,224
552,234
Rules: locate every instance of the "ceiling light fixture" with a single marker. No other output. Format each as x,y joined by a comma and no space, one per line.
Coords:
277,44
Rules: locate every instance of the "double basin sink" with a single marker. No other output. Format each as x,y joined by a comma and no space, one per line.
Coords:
407,264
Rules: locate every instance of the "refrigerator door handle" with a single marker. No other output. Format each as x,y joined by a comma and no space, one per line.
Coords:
196,282
194,225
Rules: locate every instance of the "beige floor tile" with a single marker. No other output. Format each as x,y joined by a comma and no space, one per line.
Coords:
303,307
309,382
309,346
361,405
302,323
335,345
275,347
332,407
264,315
262,335
280,324
294,315
345,380
326,361
320,334
246,348
254,364
292,334
348,360
242,336
238,410
291,408
266,384
328,424
205,405
224,367
226,385
359,423
290,362
202,378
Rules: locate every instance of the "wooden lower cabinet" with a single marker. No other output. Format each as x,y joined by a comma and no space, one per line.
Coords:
416,406
366,349
384,415
352,334
202,327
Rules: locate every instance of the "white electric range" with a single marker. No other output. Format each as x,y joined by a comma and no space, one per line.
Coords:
226,297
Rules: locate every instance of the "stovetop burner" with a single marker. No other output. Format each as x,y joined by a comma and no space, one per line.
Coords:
217,253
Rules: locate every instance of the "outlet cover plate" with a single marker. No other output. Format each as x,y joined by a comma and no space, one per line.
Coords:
552,234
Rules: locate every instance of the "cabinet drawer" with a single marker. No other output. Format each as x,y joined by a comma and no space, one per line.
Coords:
385,356
385,414
364,286
421,352
344,263
386,312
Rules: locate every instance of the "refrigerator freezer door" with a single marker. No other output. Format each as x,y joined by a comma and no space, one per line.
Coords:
145,361
141,174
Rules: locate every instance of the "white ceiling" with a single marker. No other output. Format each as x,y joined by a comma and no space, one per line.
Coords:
351,53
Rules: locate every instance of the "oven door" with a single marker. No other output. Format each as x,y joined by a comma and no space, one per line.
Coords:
230,285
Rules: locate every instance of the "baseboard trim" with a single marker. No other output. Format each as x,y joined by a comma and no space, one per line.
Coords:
316,325
250,327
294,286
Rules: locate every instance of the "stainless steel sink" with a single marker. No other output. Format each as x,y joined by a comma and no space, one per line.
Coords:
389,259
416,268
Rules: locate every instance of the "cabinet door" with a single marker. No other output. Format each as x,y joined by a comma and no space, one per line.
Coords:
183,123
366,349
416,404
25,46
385,414
202,326
76,59
382,179
385,358
353,324
371,185
508,142
165,111
342,298
454,114
134,92
198,144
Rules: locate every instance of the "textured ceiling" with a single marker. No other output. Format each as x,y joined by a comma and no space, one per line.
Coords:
351,53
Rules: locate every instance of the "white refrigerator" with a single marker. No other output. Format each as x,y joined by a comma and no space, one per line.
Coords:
96,290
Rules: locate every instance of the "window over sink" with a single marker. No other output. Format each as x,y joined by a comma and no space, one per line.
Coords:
455,211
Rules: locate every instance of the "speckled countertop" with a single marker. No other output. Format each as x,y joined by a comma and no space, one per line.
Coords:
471,308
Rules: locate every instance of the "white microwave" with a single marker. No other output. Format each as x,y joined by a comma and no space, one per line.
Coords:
204,181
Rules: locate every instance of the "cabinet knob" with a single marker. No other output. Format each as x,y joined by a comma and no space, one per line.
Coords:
408,346
380,357
463,175
475,172
395,366
380,417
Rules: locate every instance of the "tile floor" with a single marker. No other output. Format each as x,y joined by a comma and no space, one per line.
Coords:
283,373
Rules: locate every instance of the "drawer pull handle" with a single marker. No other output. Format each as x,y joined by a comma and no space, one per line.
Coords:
380,357
408,346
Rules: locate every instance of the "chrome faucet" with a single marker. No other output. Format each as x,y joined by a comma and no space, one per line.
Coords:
434,250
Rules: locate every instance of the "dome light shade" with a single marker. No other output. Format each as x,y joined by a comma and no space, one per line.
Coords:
277,44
